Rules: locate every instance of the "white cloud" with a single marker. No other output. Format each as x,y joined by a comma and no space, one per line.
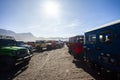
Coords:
54,28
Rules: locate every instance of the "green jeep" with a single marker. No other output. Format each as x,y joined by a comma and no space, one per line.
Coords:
10,54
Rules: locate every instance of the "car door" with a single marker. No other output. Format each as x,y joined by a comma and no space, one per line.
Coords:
106,44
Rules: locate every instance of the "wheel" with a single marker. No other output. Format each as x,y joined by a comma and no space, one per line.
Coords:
118,76
39,48
49,47
91,65
27,61
7,63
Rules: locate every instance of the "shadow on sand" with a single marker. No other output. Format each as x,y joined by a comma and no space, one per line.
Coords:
95,72
9,75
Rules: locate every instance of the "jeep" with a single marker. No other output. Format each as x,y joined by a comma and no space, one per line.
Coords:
10,54
42,44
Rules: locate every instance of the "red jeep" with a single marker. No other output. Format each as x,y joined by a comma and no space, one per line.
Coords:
75,46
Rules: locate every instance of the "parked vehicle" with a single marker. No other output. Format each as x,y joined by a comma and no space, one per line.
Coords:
32,44
42,44
23,44
49,45
102,46
60,44
75,46
10,54
56,44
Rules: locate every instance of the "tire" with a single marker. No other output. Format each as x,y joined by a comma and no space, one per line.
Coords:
91,64
49,47
118,76
7,63
27,61
39,48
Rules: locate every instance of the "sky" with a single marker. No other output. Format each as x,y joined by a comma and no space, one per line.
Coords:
57,18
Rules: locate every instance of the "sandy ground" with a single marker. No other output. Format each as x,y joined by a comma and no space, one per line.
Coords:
53,65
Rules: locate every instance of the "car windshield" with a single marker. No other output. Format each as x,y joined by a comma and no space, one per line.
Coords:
5,42
20,43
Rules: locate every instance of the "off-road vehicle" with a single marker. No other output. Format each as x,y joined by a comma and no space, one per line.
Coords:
10,54
42,44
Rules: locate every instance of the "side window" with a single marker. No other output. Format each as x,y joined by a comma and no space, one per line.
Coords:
77,40
101,38
92,39
109,37
106,37
80,40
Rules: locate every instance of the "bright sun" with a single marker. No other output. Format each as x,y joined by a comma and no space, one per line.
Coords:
51,8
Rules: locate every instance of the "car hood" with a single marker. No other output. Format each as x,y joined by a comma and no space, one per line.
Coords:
11,48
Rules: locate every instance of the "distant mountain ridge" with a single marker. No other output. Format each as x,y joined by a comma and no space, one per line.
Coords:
7,32
27,36
19,36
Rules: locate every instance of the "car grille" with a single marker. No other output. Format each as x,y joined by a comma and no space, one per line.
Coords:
23,53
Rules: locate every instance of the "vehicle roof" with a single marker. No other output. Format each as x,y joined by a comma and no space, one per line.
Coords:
105,25
77,36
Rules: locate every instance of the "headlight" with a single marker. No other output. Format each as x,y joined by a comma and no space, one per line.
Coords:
28,51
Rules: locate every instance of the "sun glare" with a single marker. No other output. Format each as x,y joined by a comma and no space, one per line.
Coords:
51,8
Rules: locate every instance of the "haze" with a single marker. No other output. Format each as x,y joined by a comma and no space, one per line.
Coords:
56,18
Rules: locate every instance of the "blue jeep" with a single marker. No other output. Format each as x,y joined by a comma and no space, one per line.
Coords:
102,46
